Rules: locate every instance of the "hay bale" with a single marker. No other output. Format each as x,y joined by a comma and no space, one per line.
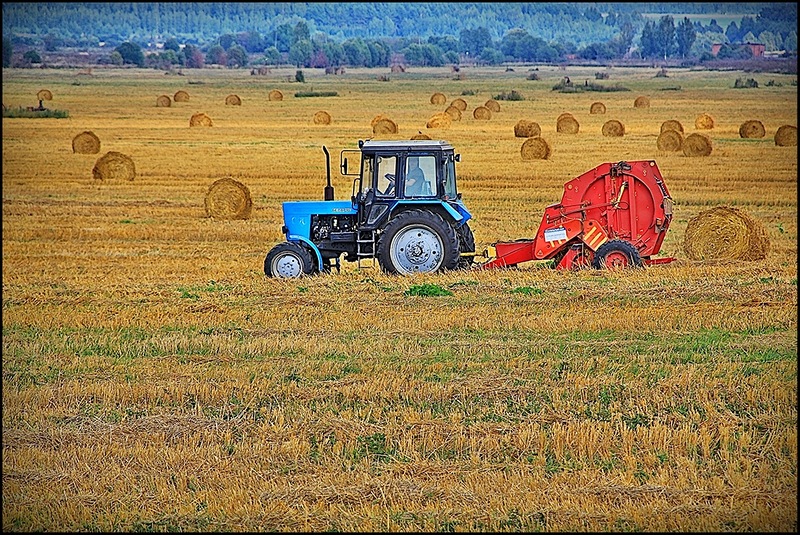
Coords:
535,148
613,128
163,101
492,105
114,166
724,233
438,99
454,113
696,145
200,119
704,122
567,124
377,118
752,129
670,141
597,108
420,135
525,128
786,136
233,100
641,102
482,112
439,120
275,95
563,115
672,124
86,143
44,94
322,117
181,96
460,103
384,126
228,199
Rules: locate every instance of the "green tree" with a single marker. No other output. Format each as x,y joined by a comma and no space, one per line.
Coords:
301,32
31,56
194,57
131,53
474,41
356,52
237,56
300,53
227,40
685,36
216,55
172,44
8,51
647,41
116,59
665,36
790,43
272,56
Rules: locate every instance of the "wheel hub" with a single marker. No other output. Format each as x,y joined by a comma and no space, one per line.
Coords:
287,266
417,250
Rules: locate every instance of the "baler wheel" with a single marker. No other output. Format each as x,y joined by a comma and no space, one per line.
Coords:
616,254
288,260
418,241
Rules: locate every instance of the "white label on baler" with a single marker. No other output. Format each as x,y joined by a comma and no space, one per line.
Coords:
555,234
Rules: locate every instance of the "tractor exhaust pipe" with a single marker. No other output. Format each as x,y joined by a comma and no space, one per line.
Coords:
328,189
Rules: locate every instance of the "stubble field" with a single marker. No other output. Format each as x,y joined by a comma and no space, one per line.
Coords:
155,380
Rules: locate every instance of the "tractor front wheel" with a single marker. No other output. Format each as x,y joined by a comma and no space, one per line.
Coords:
288,260
616,254
418,241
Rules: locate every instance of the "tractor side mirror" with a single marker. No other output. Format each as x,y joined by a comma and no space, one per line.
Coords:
457,157
344,166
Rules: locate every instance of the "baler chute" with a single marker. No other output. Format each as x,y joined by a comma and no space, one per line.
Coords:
614,215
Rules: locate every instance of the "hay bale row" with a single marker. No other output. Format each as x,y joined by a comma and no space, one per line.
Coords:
670,141
322,117
672,124
567,124
384,126
492,105
460,103
696,145
200,119
275,95
535,148
525,128
641,102
228,199
786,136
439,120
114,166
482,113
704,122
453,112
86,143
597,108
163,101
233,100
438,99
724,233
44,94
613,128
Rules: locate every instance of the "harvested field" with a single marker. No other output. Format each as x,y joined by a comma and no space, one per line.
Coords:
725,233
669,141
597,108
535,148
114,165
525,128
696,145
786,136
613,128
228,199
86,142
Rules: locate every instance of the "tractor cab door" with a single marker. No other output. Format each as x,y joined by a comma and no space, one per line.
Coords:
378,181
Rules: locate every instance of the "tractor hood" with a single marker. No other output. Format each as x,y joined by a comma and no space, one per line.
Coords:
297,214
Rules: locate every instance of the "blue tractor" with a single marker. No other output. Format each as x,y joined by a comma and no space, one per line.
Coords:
405,212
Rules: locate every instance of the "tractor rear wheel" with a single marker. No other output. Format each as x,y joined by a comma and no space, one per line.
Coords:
288,260
616,254
466,244
418,241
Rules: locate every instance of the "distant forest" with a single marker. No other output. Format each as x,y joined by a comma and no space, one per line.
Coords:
323,34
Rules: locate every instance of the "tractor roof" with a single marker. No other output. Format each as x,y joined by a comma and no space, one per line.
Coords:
403,145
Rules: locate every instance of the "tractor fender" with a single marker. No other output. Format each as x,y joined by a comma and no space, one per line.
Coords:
295,237
456,216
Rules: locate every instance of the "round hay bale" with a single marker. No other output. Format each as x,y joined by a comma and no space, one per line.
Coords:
670,141
724,233
482,112
453,112
163,101
439,120
525,128
752,129
535,148
44,94
438,99
420,135
641,102
377,118
597,108
181,96
704,122
672,124
322,117
114,166
460,103
567,124
275,95
492,105
200,119
562,116
86,143
613,128
384,126
696,145
786,136
228,199
233,100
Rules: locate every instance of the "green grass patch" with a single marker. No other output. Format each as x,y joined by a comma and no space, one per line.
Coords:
23,113
427,290
305,94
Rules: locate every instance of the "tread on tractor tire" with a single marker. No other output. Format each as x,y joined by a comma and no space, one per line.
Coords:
418,241
289,260
616,254
466,244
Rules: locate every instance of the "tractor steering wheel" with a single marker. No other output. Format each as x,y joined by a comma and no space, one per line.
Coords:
390,187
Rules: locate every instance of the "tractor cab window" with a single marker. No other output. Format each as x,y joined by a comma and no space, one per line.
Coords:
387,170
366,171
450,192
420,176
